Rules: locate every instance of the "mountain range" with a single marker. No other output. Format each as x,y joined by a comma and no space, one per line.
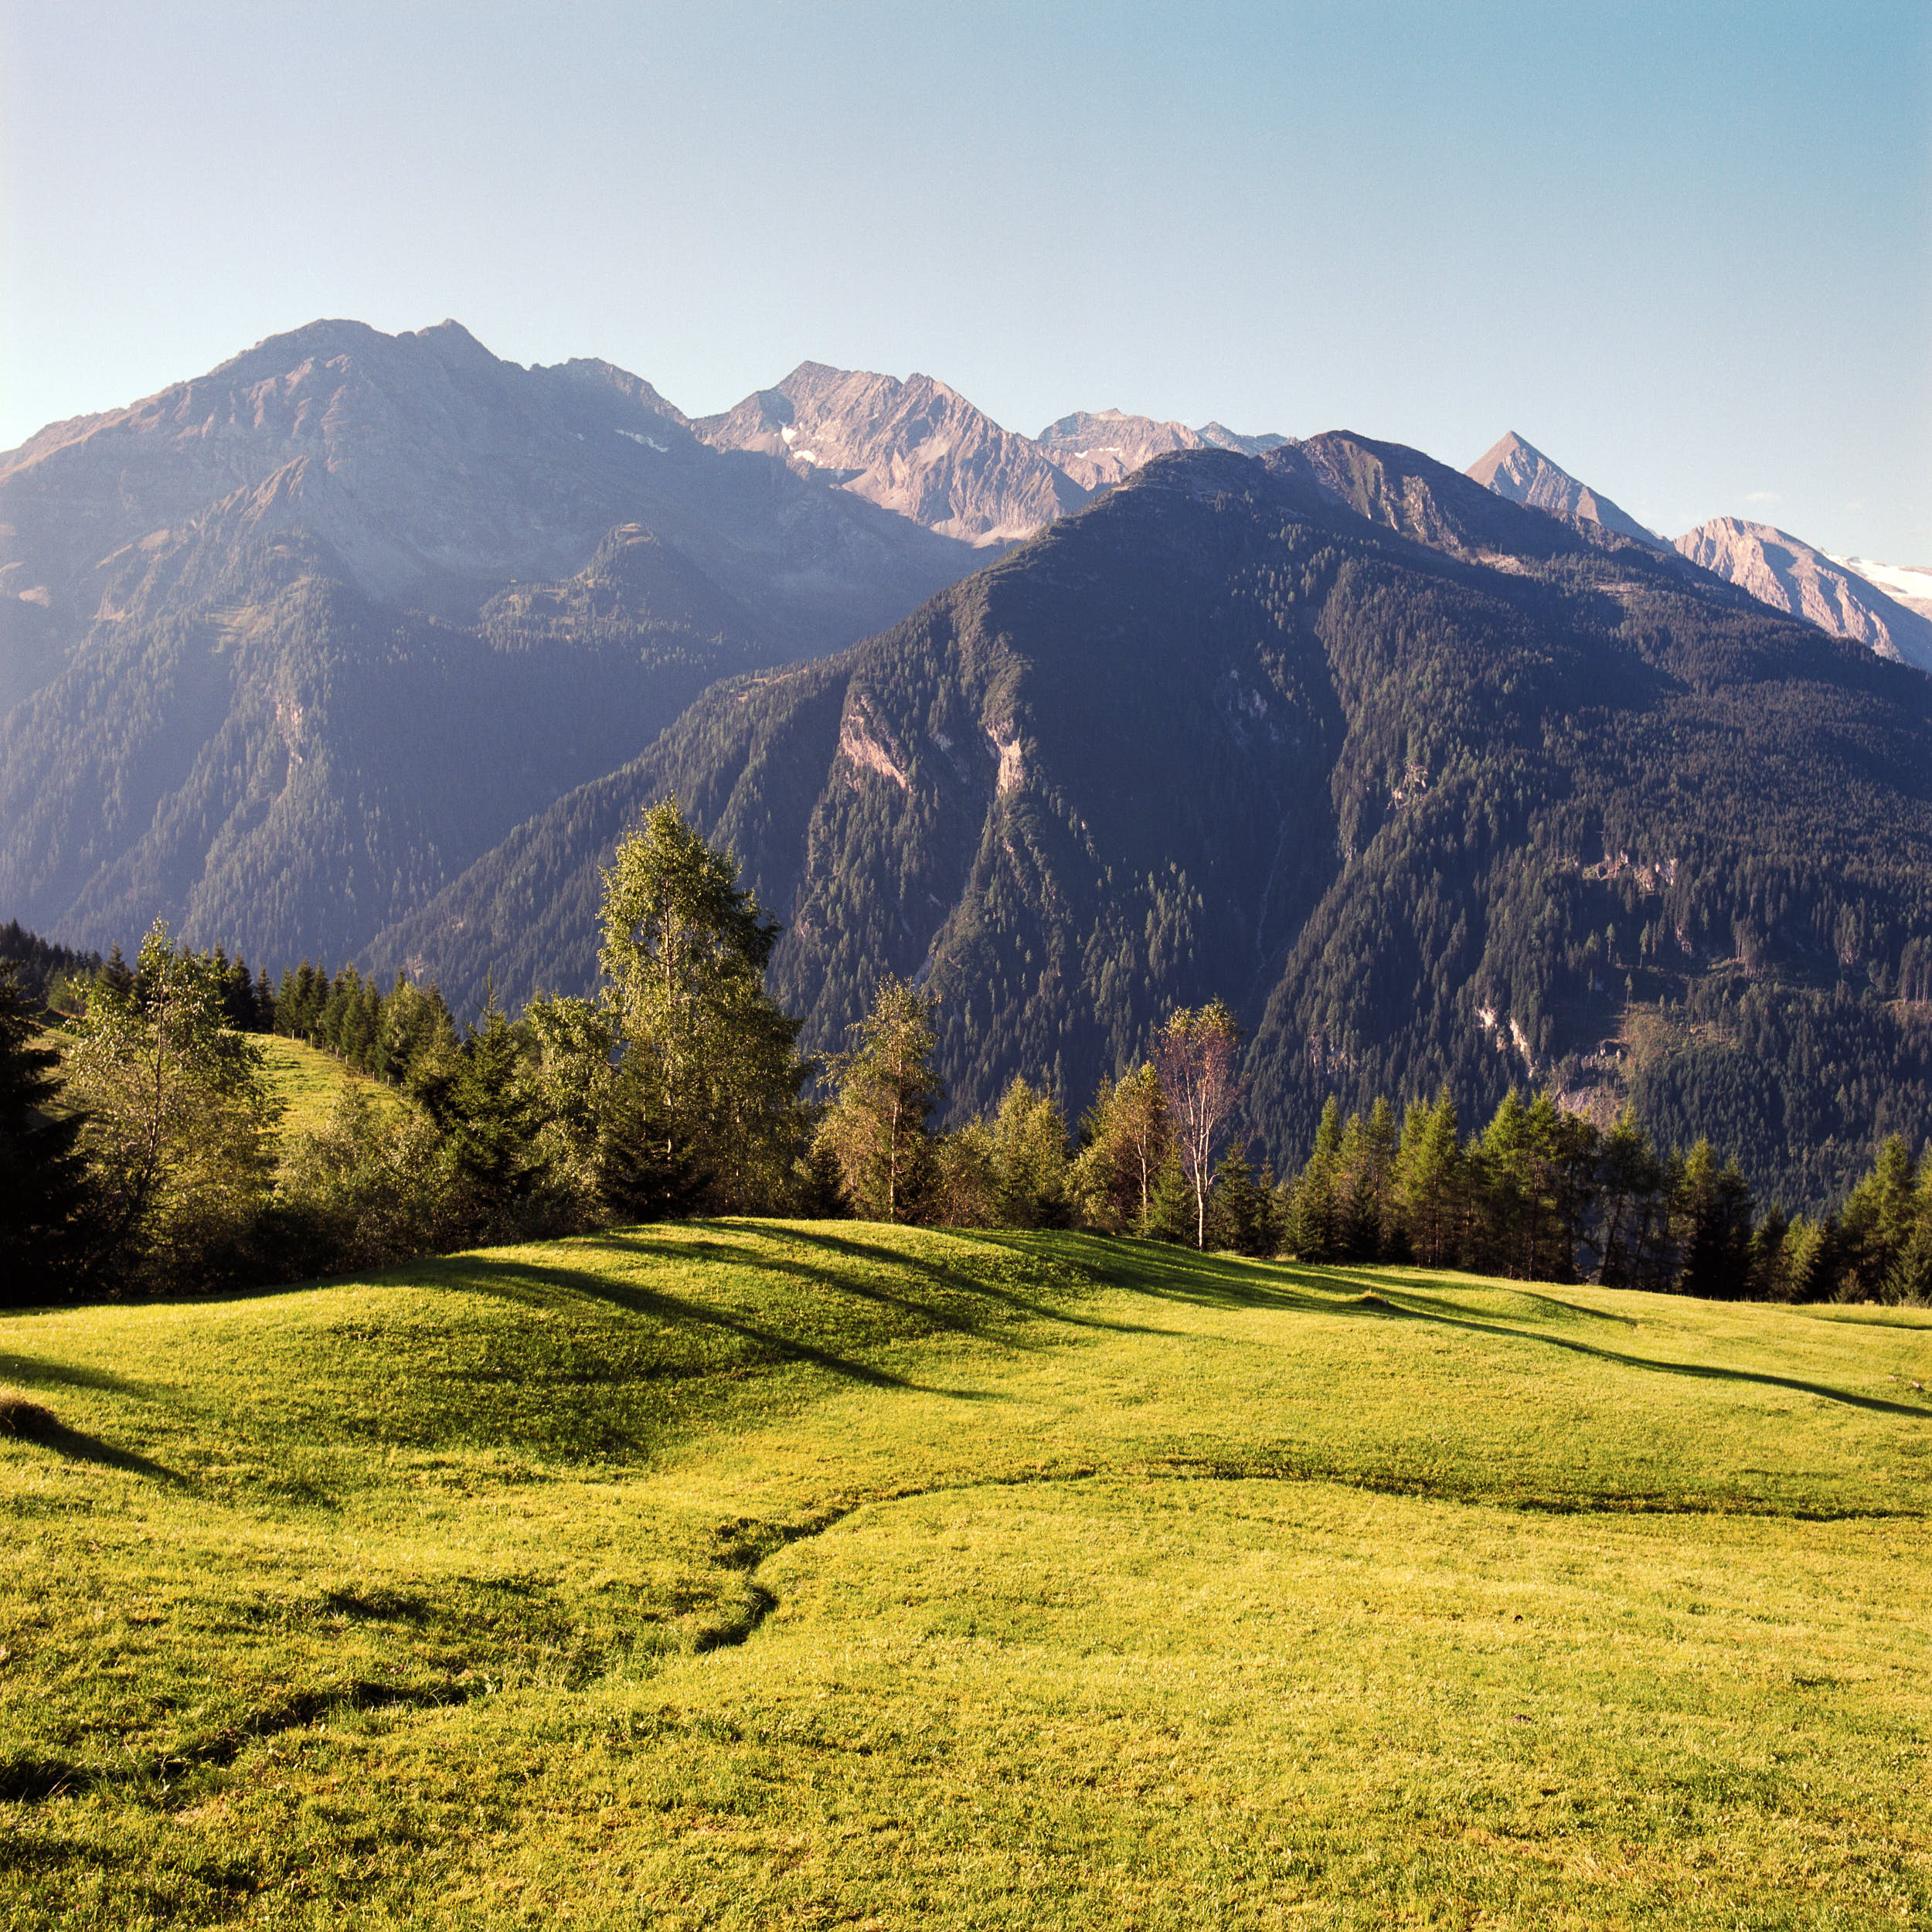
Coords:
1434,787
367,646
1871,603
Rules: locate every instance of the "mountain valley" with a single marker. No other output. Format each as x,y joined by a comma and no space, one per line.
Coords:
370,647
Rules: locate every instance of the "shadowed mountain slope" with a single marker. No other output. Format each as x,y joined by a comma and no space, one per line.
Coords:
1529,802
286,647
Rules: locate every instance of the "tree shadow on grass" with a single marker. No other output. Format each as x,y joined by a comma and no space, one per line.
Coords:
48,1432
518,1279
36,1371
1211,1280
1694,1370
1225,1281
1089,1253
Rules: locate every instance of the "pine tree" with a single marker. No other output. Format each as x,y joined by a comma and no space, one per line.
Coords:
875,1128
43,1174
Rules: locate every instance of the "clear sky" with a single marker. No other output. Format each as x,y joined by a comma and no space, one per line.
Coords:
1685,249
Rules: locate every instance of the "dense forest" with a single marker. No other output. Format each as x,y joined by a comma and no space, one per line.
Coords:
1435,790
140,1148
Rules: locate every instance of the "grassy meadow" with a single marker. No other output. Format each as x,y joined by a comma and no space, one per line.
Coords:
755,1574
307,1081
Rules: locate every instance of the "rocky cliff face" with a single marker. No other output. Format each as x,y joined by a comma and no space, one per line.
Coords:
1516,470
1786,573
917,448
1910,584
1099,448
920,448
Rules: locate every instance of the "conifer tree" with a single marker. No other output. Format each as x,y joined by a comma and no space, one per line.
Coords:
43,1174
1315,1217
1713,1208
485,1105
1242,1213
1428,1181
684,954
875,1129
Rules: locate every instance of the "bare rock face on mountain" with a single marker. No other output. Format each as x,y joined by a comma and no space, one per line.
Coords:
1910,584
1781,570
283,647
434,472
1099,448
917,447
1516,470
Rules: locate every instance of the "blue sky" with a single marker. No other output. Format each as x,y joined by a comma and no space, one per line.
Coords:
1686,249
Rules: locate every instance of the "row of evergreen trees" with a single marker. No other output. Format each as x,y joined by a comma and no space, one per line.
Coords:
145,1154
1542,1194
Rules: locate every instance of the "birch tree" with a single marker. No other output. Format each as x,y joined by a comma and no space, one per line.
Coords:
1194,1056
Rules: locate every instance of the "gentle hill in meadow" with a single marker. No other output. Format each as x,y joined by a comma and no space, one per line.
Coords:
751,1574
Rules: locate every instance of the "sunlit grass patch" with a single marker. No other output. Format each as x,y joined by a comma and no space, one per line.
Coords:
750,1573
307,1081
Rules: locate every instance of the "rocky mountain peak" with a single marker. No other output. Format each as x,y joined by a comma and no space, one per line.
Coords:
1786,573
1517,469
917,447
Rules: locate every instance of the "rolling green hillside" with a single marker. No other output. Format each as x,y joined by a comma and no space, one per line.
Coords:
764,1574
1431,787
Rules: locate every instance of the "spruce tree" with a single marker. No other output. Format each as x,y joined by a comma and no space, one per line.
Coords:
1314,1217
875,1129
43,1174
684,953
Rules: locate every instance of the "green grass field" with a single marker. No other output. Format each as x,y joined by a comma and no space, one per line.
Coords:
757,1574
306,1080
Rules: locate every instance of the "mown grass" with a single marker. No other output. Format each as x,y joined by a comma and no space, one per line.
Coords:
752,1574
307,1081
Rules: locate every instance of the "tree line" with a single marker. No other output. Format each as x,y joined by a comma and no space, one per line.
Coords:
142,1151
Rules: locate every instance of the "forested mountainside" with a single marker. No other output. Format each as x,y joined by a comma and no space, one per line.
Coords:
1433,788
284,648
